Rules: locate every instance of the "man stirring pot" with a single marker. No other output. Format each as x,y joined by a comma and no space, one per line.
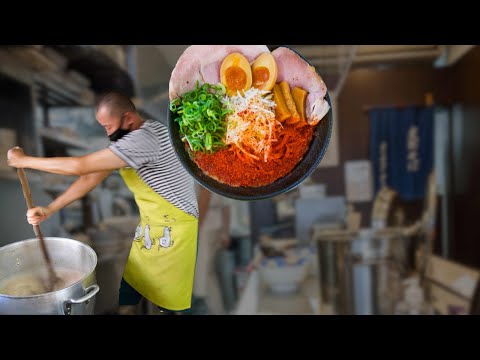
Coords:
161,263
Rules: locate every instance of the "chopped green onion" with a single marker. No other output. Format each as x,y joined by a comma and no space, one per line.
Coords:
201,117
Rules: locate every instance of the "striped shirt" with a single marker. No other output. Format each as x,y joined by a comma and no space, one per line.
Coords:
148,150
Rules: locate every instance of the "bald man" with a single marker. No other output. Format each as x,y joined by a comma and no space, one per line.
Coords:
161,261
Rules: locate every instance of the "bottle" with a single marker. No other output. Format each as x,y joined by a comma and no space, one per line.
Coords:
413,302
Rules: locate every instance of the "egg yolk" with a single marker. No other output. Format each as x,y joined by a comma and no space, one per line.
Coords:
236,78
260,75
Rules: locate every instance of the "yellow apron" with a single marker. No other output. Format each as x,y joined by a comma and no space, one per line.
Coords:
161,263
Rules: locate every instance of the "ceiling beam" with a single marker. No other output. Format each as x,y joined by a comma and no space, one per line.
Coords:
321,51
372,58
455,52
343,76
393,49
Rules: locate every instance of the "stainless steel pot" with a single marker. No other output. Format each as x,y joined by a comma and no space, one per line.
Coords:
26,257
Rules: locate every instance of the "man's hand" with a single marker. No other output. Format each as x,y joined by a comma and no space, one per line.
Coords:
38,214
15,156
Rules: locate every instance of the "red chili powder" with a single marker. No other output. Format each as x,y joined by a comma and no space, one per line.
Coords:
225,166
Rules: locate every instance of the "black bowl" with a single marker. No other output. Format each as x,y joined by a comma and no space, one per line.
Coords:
302,170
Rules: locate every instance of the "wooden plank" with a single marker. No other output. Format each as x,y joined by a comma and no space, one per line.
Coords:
79,78
444,301
448,272
9,174
451,284
14,69
60,60
34,59
59,138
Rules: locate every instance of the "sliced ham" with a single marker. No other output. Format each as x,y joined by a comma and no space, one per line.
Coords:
202,63
297,72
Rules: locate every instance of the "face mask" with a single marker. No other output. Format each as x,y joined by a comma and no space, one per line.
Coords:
119,133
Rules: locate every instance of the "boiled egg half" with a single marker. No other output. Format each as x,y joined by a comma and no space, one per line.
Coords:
236,73
264,72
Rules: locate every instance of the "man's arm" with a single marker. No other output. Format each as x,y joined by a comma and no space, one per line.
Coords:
77,190
103,160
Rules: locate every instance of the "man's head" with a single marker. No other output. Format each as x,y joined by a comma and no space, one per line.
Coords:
117,114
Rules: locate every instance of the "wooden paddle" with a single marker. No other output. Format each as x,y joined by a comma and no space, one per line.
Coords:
53,278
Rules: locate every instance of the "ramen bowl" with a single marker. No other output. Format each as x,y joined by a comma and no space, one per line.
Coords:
303,169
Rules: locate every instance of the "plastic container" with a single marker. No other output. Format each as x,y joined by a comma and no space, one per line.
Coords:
283,277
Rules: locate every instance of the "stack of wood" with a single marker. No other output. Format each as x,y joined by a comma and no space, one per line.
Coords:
49,73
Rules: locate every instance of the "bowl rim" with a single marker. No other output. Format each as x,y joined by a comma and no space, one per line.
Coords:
267,195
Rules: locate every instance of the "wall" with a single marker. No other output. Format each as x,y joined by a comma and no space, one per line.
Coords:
404,85
466,77
13,209
153,71
465,245
372,87
17,112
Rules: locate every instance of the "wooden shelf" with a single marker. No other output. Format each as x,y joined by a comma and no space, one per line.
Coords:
101,70
59,138
8,174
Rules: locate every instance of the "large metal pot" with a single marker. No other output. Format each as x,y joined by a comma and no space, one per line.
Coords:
26,257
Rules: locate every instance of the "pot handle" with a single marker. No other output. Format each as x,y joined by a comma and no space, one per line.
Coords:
91,291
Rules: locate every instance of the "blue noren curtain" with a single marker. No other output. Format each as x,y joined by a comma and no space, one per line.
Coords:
401,149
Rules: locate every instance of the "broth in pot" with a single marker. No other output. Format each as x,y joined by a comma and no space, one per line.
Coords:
31,283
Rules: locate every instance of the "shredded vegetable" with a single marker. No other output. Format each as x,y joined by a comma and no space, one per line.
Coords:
252,127
202,113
